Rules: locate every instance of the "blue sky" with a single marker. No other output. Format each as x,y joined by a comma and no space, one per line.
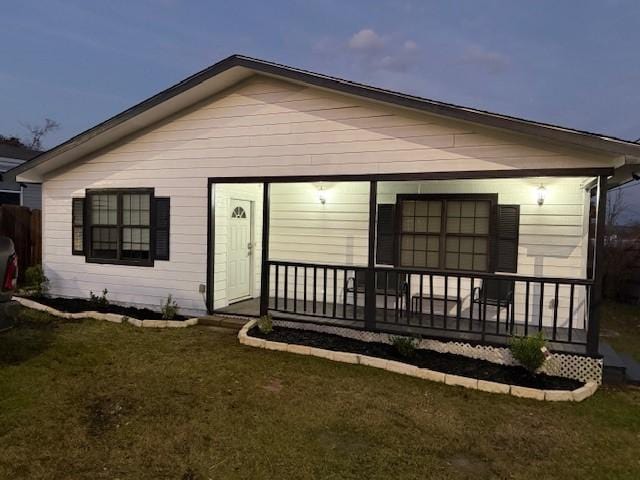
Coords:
573,63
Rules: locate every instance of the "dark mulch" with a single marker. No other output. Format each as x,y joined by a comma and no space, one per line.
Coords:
440,362
76,305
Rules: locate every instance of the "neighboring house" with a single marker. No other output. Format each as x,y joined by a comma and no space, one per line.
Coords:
252,187
12,192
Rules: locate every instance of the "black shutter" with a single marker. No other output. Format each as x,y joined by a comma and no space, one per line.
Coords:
162,223
78,215
385,234
507,233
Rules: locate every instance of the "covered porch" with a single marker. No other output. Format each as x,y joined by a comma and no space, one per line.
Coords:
463,259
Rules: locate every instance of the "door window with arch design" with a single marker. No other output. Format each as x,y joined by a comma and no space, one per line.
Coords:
238,212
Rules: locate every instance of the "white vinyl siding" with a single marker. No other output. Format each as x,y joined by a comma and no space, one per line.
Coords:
265,127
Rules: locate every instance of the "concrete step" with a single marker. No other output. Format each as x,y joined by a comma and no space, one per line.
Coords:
614,370
231,323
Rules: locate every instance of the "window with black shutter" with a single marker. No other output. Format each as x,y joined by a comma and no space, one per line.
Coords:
385,234
507,233
162,223
121,226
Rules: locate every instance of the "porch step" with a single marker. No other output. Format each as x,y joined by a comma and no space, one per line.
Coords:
615,369
223,322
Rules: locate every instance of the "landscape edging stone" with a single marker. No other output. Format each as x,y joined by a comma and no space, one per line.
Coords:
423,373
109,317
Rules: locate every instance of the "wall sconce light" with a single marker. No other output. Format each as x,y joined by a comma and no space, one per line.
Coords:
541,193
322,194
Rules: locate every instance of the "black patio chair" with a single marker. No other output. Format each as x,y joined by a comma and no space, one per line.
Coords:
496,293
396,286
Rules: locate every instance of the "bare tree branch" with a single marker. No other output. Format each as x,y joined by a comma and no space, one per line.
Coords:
37,132
616,207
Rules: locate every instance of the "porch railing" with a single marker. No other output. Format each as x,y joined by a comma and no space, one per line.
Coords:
316,290
484,307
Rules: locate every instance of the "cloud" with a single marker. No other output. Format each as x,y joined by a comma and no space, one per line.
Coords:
491,61
372,51
366,40
410,45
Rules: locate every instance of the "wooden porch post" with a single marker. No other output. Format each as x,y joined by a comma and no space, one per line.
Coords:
595,301
370,286
264,266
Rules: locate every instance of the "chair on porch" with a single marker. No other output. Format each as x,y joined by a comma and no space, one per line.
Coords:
496,293
396,286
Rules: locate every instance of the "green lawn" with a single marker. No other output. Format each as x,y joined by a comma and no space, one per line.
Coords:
621,328
89,399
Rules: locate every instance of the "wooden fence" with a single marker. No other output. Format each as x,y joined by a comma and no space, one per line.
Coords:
24,227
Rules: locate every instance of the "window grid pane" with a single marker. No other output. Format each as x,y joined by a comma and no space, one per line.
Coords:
135,209
104,209
420,251
104,242
128,240
466,253
465,238
135,242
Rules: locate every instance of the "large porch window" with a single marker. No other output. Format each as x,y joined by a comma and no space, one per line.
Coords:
445,232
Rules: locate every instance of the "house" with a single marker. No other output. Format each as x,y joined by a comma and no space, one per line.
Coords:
12,192
252,187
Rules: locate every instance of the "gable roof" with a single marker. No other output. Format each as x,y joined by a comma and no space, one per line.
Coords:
235,68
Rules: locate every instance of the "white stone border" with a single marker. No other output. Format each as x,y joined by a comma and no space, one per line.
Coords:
109,317
411,370
566,365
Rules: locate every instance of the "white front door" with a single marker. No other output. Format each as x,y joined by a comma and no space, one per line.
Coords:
239,250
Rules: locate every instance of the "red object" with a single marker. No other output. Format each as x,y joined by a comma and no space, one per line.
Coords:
11,275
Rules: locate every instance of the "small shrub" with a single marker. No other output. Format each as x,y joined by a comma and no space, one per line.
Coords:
405,346
36,281
530,352
265,324
99,300
169,309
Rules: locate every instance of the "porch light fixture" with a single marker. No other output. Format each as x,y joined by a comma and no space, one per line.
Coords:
541,193
322,194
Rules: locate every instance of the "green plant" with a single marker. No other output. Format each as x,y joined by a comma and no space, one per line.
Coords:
169,308
99,300
405,346
530,351
36,280
265,324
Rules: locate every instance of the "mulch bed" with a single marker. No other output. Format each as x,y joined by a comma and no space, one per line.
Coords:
77,305
440,362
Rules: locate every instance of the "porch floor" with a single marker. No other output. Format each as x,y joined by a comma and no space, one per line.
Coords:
415,323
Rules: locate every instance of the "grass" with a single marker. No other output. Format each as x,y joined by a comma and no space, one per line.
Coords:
89,399
621,328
